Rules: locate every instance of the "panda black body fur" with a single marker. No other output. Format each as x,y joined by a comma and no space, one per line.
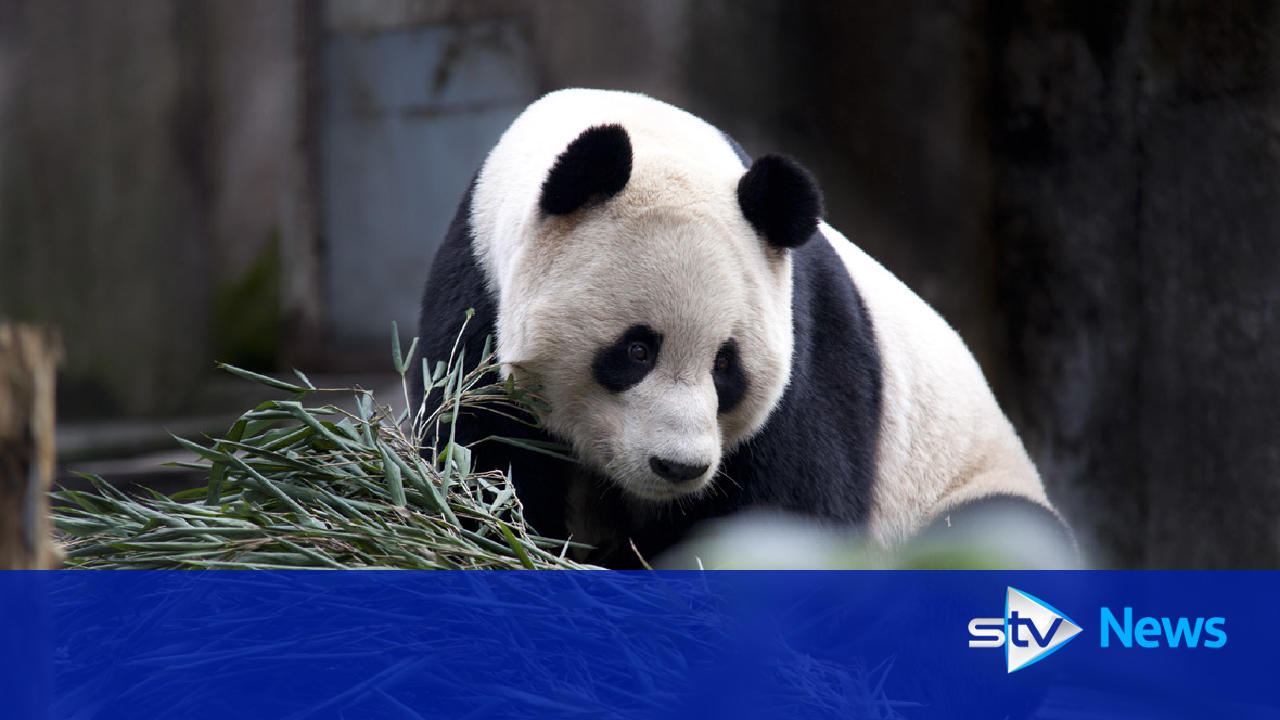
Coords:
854,430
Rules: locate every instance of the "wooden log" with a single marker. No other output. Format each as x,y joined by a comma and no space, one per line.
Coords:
29,357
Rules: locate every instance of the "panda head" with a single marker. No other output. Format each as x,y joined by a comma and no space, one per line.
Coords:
653,305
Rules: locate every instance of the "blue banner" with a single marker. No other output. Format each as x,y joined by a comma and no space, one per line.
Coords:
83,644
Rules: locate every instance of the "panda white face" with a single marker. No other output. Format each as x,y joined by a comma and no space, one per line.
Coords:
660,336
644,286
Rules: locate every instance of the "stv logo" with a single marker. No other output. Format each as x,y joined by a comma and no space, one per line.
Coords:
1030,630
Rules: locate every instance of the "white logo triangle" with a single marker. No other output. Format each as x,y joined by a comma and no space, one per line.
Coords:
1040,637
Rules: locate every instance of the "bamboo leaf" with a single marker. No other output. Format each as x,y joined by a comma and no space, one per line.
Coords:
394,483
262,379
517,547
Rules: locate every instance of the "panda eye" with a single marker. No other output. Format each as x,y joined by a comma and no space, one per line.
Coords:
626,361
722,363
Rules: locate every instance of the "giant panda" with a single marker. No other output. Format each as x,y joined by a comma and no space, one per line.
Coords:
703,341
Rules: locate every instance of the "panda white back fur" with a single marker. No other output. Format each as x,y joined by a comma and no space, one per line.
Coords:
704,342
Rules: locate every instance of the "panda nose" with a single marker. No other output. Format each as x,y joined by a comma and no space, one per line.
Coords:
675,471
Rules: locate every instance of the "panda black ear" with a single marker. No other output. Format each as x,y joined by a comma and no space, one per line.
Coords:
781,199
595,166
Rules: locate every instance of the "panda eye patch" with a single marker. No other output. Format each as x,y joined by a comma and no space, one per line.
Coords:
627,361
730,380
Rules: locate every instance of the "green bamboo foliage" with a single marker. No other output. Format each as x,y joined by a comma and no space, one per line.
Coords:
299,484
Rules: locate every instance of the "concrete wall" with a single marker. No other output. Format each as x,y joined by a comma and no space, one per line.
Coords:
409,113
146,156
1137,221
102,221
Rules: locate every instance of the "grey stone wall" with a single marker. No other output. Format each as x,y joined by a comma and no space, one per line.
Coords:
1137,220
411,106
146,160
102,221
